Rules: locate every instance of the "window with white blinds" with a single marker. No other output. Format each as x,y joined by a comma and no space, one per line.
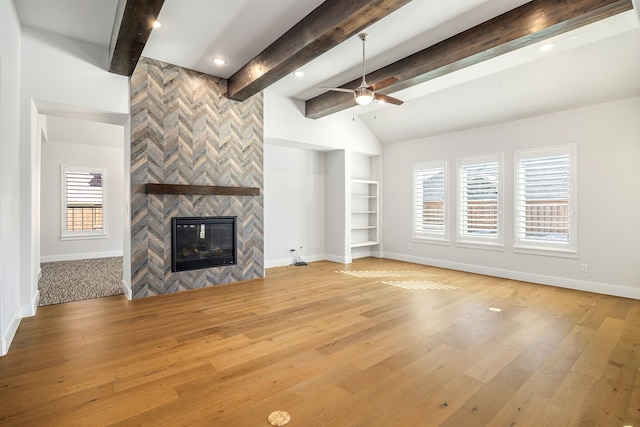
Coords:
83,202
480,200
430,200
545,206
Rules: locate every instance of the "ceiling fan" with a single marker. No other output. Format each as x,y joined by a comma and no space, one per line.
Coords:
366,93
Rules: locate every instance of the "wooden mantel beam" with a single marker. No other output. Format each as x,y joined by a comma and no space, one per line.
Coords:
131,30
520,27
331,23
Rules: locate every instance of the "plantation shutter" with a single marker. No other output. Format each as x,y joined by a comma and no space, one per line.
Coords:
83,198
429,198
543,198
479,199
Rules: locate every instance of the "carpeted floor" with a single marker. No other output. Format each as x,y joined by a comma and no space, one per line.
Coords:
66,281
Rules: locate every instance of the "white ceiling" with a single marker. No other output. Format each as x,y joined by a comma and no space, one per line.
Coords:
88,20
84,132
602,64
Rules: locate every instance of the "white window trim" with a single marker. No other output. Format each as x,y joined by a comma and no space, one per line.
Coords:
84,234
425,237
556,249
495,243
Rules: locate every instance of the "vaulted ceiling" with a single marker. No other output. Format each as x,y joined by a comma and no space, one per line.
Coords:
450,81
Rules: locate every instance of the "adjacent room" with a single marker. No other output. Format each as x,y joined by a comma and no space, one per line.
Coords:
393,213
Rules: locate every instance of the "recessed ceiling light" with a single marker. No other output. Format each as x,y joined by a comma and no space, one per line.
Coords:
219,61
574,37
546,47
299,74
497,310
157,24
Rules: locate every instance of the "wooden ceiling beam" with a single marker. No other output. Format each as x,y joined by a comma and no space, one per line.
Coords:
131,30
331,23
520,27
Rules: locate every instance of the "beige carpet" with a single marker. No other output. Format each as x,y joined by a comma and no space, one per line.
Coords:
66,281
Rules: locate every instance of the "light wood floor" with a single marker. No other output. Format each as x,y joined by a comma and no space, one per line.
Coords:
333,345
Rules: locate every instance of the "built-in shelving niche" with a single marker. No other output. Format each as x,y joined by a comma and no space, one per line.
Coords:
364,213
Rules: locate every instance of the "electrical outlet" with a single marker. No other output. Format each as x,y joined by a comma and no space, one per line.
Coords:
584,268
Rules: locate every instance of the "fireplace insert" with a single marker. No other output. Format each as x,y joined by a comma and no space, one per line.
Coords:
203,242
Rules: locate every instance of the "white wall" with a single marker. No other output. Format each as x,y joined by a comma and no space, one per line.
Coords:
338,205
126,226
70,72
360,166
284,121
607,138
84,131
294,204
55,70
338,136
10,309
38,68
58,154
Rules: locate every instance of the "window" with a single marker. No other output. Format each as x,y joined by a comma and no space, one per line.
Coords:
83,207
480,200
545,200
430,200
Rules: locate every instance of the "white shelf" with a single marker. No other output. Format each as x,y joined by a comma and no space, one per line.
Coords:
363,244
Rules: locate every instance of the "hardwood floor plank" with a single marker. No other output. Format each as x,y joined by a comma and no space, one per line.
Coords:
335,345
482,406
546,380
632,416
569,400
508,343
521,410
362,334
442,405
596,355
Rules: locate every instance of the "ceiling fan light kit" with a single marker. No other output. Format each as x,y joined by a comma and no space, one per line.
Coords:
365,93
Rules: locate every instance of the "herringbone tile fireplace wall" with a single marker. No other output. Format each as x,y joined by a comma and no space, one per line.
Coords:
185,131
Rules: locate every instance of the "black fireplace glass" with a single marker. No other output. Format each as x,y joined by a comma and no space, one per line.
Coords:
202,242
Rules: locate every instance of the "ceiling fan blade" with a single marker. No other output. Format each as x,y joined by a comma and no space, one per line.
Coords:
387,99
383,83
338,89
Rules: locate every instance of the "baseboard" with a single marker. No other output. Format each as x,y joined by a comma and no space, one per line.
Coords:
28,310
73,257
126,289
338,259
561,282
283,262
7,336
366,255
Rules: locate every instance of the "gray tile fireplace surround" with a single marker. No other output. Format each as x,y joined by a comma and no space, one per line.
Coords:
185,131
